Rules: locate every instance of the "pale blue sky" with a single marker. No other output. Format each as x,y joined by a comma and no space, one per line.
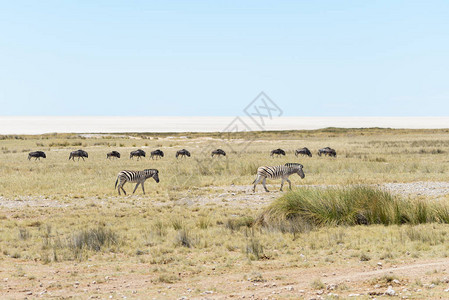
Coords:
165,58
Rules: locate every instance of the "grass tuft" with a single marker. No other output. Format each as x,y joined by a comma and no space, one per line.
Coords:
359,205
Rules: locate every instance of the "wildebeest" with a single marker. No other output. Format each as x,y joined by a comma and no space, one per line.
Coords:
78,153
327,151
303,151
37,155
182,153
274,172
139,153
157,153
218,152
113,154
278,152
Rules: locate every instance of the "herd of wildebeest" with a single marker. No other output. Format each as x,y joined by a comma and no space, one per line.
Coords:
156,154
139,177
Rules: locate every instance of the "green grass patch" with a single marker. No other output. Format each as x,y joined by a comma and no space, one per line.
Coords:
359,205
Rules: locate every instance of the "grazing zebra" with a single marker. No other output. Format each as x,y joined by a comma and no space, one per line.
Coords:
113,154
327,151
78,153
139,153
283,171
303,151
157,153
218,152
278,152
135,176
37,155
182,153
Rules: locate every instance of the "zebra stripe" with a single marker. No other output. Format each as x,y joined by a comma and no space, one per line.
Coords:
138,177
275,172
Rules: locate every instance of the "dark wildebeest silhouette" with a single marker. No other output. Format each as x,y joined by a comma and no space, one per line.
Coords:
157,153
37,155
182,153
139,153
327,151
113,154
303,151
278,152
78,153
218,152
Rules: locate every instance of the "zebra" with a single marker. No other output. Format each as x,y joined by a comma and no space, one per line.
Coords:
37,155
139,153
157,153
113,154
278,152
303,151
218,152
182,153
327,151
78,153
282,171
135,176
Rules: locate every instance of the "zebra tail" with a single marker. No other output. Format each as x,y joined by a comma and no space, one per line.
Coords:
116,183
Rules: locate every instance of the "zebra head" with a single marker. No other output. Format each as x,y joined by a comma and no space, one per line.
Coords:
301,172
297,168
153,173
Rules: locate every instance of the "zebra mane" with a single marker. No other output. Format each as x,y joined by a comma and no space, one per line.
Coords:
291,165
151,170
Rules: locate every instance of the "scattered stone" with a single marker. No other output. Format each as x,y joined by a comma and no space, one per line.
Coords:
390,291
353,295
379,264
331,287
290,288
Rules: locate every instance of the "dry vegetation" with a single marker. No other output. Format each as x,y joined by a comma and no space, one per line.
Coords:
65,232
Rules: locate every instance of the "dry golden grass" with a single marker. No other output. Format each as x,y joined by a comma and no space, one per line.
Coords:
154,239
370,157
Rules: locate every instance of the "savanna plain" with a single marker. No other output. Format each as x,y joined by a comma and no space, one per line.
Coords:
370,223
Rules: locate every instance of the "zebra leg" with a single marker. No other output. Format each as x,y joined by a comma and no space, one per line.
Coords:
120,186
143,189
256,182
282,183
289,183
136,187
264,183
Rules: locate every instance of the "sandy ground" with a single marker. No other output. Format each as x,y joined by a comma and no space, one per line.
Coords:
57,280
240,195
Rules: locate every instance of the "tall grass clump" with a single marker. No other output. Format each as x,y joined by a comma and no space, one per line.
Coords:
349,206
92,239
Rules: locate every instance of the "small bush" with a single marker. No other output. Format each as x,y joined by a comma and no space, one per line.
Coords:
254,249
237,222
183,238
317,284
93,239
24,234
